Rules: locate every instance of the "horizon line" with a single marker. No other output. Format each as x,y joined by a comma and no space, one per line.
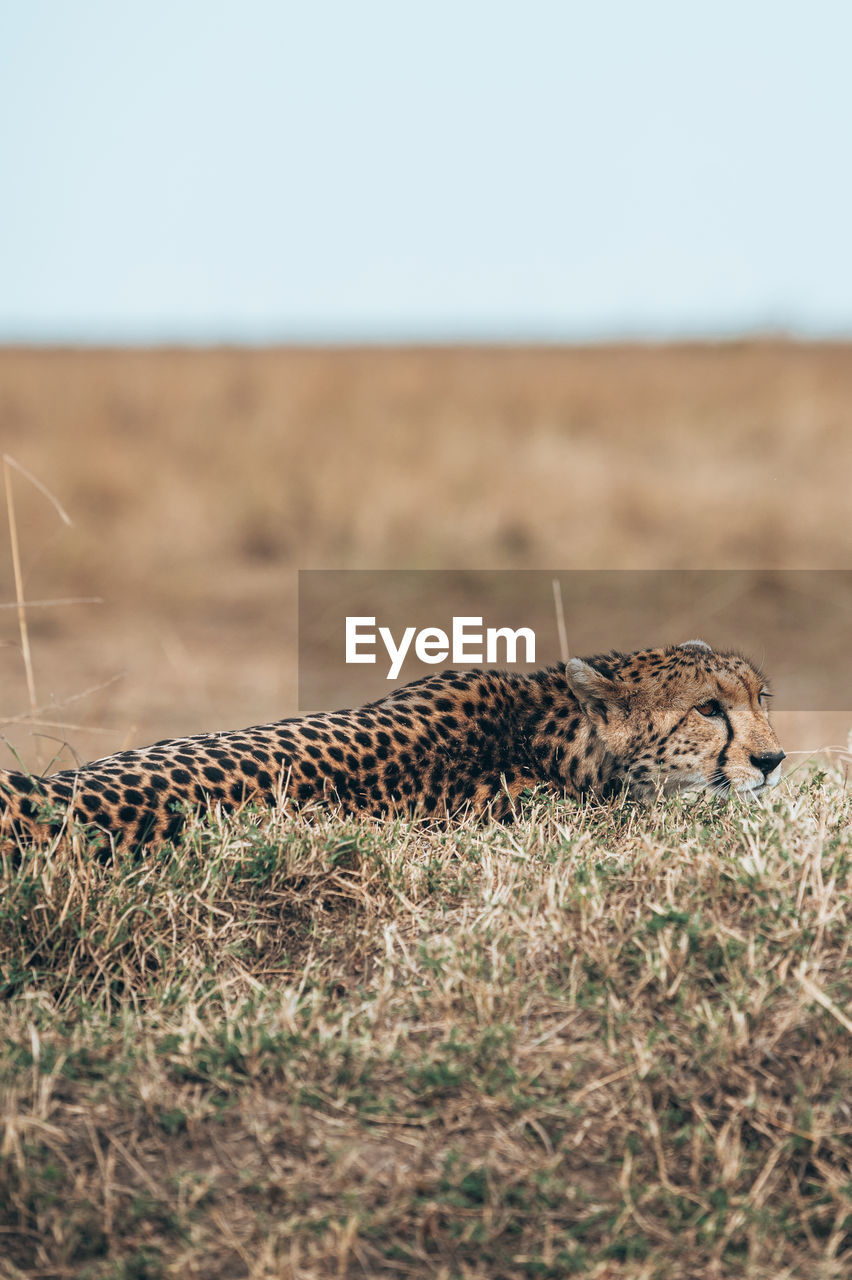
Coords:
427,337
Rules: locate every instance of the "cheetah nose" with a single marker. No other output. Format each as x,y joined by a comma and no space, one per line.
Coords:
767,763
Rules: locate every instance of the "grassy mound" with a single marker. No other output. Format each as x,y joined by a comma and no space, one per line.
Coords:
604,1041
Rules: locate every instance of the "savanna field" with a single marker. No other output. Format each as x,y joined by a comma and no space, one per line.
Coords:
608,1041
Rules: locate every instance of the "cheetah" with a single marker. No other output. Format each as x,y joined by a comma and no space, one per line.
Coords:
660,720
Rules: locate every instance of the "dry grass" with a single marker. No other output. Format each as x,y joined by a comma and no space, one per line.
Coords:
608,1042
611,1042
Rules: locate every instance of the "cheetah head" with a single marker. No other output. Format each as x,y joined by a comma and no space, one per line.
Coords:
684,718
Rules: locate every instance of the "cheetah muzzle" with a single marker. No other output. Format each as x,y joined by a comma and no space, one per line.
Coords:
683,718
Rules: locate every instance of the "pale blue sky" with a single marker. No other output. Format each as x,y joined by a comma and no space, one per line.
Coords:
195,170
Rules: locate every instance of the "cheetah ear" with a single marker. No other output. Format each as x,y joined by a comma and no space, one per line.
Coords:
592,689
695,644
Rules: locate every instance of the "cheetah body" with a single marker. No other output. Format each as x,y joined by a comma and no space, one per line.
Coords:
668,719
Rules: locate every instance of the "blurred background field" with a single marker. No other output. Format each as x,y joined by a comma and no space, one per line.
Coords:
200,481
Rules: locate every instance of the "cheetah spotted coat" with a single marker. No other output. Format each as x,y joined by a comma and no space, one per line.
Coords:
659,719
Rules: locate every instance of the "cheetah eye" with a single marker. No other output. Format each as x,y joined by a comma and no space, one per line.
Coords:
711,708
